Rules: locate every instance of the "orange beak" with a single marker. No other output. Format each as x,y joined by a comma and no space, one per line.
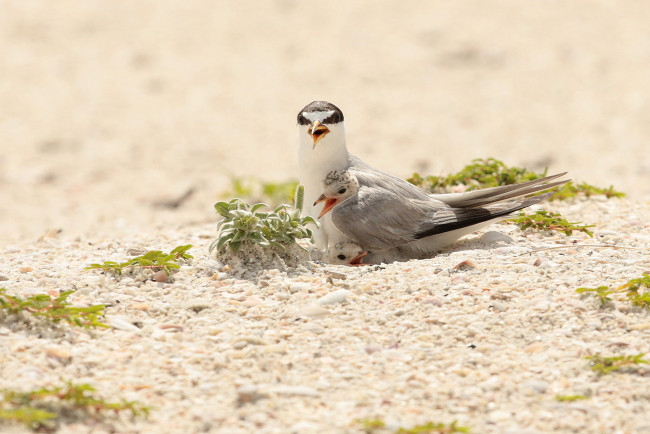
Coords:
317,132
329,204
356,261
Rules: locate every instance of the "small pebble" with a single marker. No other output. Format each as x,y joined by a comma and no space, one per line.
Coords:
276,348
160,276
313,311
295,391
337,296
432,300
59,354
247,393
314,328
372,349
172,327
494,237
242,341
121,323
252,301
537,386
299,286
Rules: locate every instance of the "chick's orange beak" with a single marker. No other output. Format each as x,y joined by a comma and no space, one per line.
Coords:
356,261
317,131
330,202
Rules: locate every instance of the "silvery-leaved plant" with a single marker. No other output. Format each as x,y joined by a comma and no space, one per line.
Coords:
244,223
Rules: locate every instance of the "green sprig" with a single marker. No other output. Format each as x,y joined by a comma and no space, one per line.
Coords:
601,292
243,223
637,291
634,292
41,408
371,426
570,398
155,259
53,309
490,172
549,221
607,365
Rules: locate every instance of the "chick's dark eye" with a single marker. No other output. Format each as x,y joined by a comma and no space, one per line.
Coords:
343,190
341,257
318,132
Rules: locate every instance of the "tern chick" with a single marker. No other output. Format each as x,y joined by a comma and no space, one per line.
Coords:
397,227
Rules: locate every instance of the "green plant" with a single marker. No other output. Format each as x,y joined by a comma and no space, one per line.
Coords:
570,398
434,427
481,173
570,190
243,223
372,425
41,408
252,189
155,259
490,172
53,309
633,288
602,292
606,365
637,291
548,221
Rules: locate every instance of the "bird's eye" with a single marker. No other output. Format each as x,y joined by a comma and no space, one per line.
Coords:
343,190
341,257
318,133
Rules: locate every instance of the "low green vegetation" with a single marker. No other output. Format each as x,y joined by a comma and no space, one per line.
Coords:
490,172
570,398
636,291
43,409
607,365
549,221
602,293
570,189
254,190
246,224
372,426
53,309
434,427
155,260
480,173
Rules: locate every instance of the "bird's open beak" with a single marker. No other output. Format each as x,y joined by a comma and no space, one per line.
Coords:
317,131
329,204
356,261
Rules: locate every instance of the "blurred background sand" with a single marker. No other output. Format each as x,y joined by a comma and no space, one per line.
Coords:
107,107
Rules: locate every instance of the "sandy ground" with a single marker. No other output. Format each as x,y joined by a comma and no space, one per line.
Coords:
491,343
107,108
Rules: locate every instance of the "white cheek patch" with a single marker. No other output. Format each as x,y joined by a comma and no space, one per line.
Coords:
318,116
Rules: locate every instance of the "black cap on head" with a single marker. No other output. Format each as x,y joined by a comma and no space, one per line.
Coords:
321,106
